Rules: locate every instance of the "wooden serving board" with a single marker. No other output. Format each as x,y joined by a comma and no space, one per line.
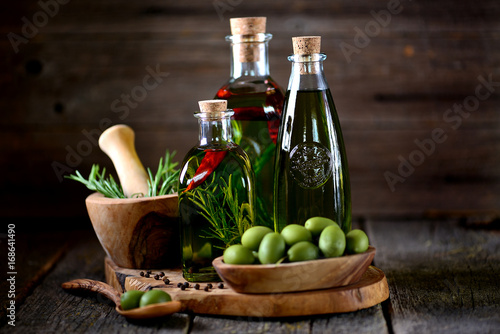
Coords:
370,290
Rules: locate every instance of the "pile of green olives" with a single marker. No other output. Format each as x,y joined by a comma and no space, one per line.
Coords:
318,238
135,298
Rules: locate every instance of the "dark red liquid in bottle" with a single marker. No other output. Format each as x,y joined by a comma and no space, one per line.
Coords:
257,106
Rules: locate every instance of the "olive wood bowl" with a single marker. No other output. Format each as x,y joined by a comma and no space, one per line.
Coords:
297,276
137,232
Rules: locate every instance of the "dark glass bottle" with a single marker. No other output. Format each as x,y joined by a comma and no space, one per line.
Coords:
257,101
216,193
311,172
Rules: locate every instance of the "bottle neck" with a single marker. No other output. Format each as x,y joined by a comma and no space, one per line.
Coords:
214,128
307,72
249,55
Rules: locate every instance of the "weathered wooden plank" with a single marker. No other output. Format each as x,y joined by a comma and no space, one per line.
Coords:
443,277
51,309
31,264
395,90
364,321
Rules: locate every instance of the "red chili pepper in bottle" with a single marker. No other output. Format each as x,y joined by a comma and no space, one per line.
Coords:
208,164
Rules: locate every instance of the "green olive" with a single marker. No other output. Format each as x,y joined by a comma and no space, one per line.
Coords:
317,224
238,254
303,251
272,248
294,233
332,241
356,242
253,236
130,299
154,297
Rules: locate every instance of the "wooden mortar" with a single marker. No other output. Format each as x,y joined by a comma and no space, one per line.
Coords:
139,232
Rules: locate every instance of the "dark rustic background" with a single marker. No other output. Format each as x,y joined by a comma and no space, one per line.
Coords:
65,67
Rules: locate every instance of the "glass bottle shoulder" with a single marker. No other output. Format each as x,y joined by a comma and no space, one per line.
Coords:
249,85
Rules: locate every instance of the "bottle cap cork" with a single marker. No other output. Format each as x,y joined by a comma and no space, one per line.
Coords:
212,106
248,25
306,45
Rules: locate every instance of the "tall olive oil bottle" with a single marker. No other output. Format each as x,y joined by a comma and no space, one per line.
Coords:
257,101
311,174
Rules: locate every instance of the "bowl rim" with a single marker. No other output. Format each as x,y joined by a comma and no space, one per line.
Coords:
218,262
97,197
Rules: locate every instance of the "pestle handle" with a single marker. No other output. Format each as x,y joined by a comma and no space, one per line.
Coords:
118,143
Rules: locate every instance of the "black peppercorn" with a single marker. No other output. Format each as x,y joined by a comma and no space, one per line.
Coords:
179,284
220,286
166,280
209,285
206,288
186,284
162,274
157,277
197,286
141,273
147,275
183,287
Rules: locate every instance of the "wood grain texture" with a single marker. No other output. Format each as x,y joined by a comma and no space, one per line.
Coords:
51,309
443,277
369,291
71,81
137,232
298,276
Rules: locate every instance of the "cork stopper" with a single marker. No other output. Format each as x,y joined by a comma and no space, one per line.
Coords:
306,45
212,106
248,25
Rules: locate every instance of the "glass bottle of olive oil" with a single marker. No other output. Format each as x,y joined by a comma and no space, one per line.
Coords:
216,193
256,100
311,173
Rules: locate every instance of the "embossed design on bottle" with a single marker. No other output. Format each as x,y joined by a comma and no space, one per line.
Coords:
310,164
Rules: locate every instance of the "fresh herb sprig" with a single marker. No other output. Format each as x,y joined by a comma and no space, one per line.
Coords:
166,179
229,220
164,182
98,182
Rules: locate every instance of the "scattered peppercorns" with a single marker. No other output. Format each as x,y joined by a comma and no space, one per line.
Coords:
197,286
162,274
220,285
186,284
179,284
209,285
183,287
206,288
166,280
141,273
147,275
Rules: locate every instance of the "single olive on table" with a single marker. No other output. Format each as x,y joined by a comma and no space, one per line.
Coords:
319,237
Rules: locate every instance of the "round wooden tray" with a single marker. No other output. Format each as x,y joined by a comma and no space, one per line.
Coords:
370,290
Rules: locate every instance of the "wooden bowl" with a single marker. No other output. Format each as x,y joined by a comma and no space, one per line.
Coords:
137,232
297,276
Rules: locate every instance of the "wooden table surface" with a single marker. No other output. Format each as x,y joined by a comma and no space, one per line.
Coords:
443,276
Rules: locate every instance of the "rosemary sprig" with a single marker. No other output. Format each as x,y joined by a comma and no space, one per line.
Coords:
228,221
166,179
98,182
164,182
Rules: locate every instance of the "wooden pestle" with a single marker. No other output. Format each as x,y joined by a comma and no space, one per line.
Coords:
118,143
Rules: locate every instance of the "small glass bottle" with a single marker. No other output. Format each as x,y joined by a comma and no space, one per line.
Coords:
216,193
257,101
311,172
